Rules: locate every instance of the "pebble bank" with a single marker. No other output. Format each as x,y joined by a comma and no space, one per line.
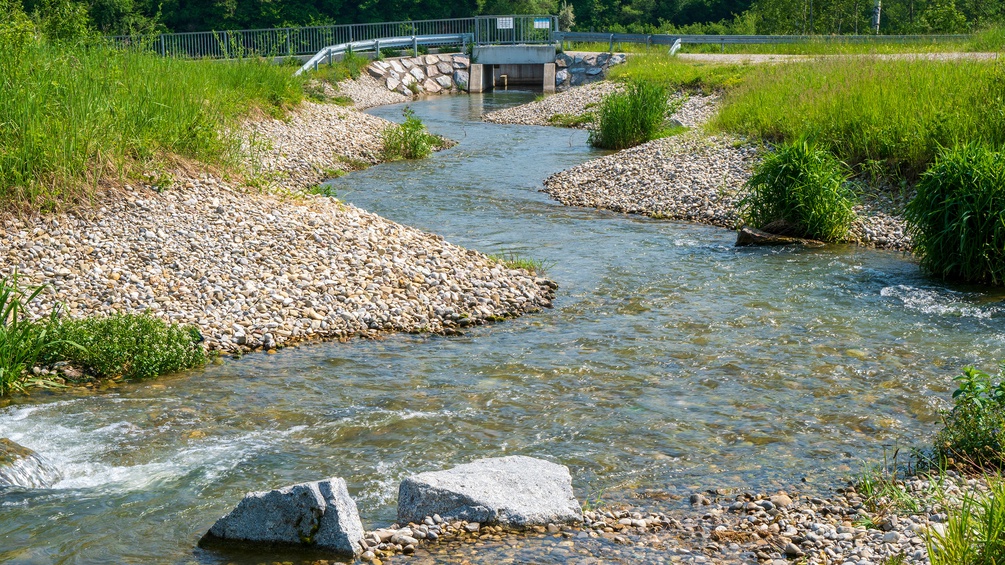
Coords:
257,267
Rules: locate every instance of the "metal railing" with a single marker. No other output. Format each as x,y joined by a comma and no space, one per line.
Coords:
328,54
663,39
294,41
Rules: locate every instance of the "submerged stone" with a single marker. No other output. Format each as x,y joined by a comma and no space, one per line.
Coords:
513,491
22,467
319,515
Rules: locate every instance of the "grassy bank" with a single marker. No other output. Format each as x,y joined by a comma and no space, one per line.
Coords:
74,115
891,113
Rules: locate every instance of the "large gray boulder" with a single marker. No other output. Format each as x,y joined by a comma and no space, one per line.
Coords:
511,491
22,467
319,515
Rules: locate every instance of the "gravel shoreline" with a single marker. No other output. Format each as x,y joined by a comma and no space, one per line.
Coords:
259,267
691,177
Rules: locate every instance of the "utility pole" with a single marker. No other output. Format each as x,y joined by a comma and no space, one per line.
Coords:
875,18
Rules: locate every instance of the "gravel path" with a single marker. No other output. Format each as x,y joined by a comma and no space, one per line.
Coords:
254,267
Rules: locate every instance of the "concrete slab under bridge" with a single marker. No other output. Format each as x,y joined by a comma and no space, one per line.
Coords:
505,66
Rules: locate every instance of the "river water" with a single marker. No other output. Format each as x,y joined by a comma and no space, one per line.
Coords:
671,361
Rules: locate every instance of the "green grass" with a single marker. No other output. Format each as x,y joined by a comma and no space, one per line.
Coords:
895,112
516,261
629,118
571,120
676,74
350,67
22,342
957,217
409,140
800,190
72,116
974,532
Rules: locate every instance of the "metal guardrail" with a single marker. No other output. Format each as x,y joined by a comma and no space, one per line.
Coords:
723,40
329,53
309,40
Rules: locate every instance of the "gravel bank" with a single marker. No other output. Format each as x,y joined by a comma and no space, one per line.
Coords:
256,268
368,92
574,101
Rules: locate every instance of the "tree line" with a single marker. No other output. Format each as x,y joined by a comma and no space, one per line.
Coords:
639,16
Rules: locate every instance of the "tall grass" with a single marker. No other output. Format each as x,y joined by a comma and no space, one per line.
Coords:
72,115
975,532
896,112
22,342
676,74
626,119
802,190
957,217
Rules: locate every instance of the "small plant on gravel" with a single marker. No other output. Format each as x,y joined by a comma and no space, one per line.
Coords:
957,217
974,532
409,140
973,434
133,346
800,190
629,118
571,120
515,261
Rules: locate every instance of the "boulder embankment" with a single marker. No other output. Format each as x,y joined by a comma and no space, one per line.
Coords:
255,260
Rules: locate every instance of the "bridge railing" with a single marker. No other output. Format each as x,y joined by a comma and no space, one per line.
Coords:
310,40
723,40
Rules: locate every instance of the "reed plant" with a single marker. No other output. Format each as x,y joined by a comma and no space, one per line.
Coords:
73,115
895,112
629,118
22,341
957,217
801,190
974,532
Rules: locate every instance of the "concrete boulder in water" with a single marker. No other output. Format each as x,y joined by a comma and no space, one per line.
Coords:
512,491
318,515
22,467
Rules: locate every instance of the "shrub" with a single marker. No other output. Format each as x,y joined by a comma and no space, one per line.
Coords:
409,140
957,217
974,532
133,346
803,188
626,119
973,434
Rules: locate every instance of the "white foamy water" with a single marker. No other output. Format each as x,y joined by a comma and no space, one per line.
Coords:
940,302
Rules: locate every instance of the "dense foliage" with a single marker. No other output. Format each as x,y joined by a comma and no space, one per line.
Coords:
670,16
973,436
957,217
801,190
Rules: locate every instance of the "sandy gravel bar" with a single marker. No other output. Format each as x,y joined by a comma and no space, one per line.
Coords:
256,269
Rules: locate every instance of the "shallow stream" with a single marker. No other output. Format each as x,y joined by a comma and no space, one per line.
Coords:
671,361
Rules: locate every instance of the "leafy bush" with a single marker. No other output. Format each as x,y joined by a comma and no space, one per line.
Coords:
974,430
957,217
133,346
802,188
975,532
629,118
409,140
